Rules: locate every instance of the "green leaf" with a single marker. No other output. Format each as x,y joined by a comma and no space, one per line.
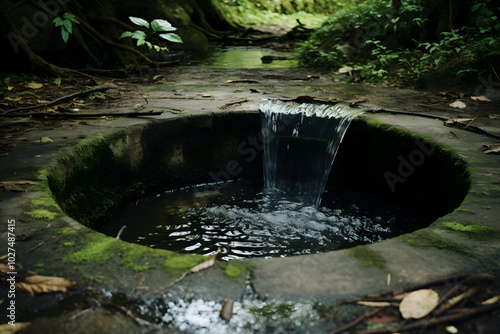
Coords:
125,34
138,34
65,35
140,42
68,26
57,21
157,48
150,46
70,17
138,21
171,37
57,81
162,26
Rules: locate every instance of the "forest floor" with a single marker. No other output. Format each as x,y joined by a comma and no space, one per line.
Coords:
195,89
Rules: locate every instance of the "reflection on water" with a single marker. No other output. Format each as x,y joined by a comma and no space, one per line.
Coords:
245,57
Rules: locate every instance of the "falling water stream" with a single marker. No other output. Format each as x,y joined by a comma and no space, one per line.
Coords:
301,141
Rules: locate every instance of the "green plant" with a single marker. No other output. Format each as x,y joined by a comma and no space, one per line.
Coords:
66,24
156,28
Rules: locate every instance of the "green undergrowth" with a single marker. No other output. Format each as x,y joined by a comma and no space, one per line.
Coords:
411,42
279,13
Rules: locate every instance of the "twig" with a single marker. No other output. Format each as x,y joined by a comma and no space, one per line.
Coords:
82,115
357,321
37,246
128,313
61,99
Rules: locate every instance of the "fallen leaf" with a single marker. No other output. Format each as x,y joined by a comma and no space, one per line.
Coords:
492,149
492,300
34,85
46,140
179,111
418,304
463,121
14,185
451,329
495,116
8,329
158,77
43,284
480,98
227,309
458,104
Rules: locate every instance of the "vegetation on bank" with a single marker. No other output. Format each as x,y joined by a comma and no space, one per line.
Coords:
409,39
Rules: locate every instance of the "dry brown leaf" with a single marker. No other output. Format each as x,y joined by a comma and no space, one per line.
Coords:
227,309
42,284
492,149
204,265
463,121
418,304
480,98
34,85
14,185
9,329
458,104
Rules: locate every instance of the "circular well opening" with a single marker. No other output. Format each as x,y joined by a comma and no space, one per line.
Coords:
192,184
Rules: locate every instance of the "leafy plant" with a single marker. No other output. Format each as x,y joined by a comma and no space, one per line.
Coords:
156,28
66,24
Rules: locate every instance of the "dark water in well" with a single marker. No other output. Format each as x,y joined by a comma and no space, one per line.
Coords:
256,223
301,141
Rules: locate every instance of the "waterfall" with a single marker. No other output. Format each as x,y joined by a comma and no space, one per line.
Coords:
300,144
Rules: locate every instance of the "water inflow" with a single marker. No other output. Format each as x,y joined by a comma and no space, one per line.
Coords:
301,141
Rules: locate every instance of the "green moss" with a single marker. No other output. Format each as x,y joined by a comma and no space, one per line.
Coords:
43,214
233,271
67,231
474,231
487,207
46,202
180,263
136,258
428,239
98,248
368,257
69,244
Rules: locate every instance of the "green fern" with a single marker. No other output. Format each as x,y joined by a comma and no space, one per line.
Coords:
66,24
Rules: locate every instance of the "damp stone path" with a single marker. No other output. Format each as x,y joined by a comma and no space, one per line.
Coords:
295,293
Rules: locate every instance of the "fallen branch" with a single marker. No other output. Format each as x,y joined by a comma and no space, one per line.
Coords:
60,100
37,246
83,115
464,314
